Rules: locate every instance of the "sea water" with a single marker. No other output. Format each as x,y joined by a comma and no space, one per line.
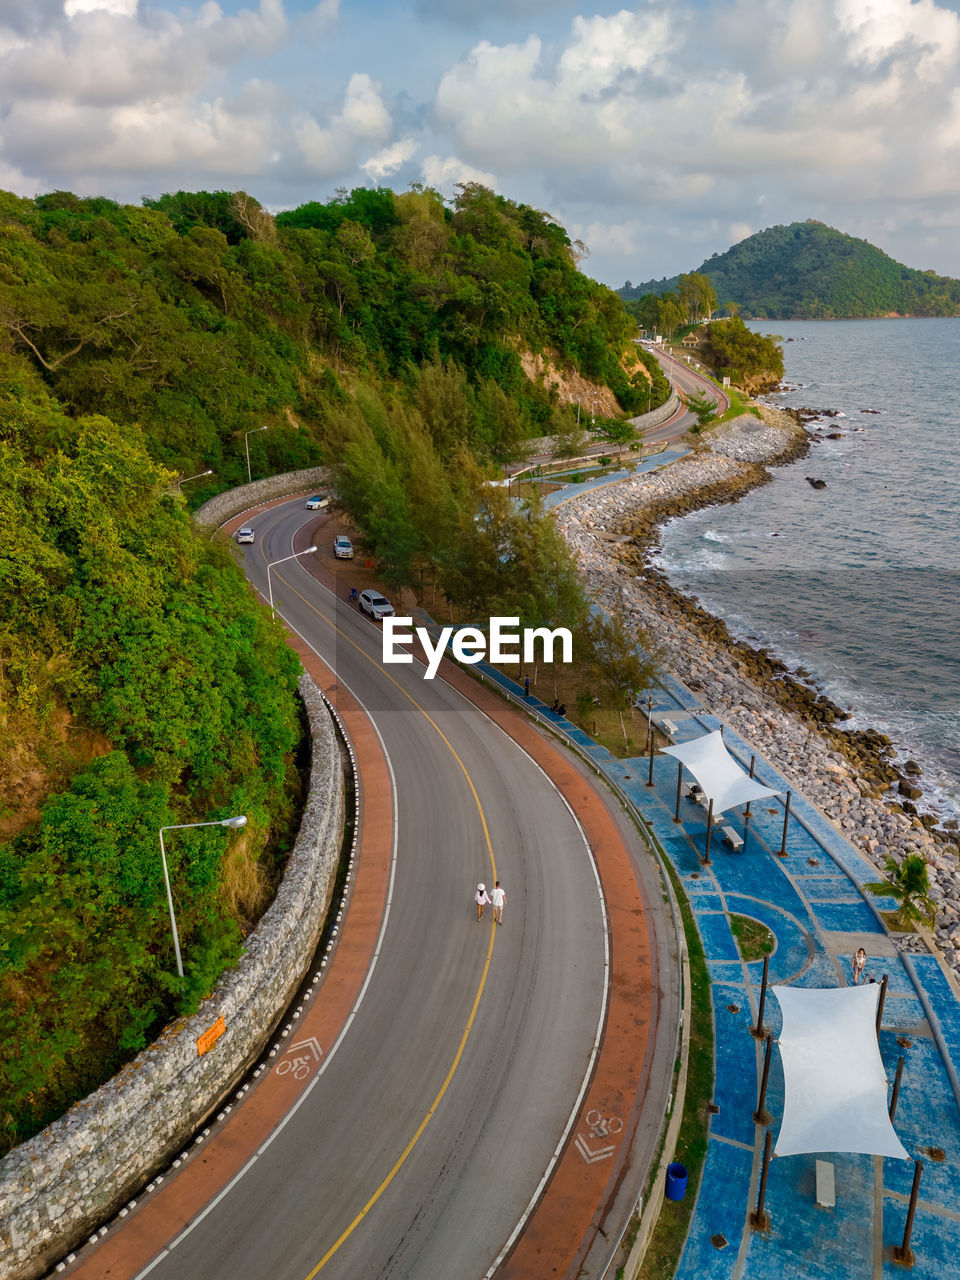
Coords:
858,582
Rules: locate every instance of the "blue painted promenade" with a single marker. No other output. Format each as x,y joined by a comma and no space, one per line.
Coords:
813,902
653,463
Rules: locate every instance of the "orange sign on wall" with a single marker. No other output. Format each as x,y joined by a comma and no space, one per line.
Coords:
211,1036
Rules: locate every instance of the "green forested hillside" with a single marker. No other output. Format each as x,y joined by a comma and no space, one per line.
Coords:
810,271
139,686
139,683
203,317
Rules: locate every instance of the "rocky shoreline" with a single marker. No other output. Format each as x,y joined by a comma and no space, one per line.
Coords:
845,773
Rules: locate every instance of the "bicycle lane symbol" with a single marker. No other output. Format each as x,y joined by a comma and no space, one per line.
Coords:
599,1126
300,1064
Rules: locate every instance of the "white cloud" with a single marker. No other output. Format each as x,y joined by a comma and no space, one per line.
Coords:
701,118
329,149
667,100
112,90
444,174
390,159
622,239
109,53
126,8
604,50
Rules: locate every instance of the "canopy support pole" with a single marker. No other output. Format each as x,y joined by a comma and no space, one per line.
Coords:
759,1030
759,1219
676,816
760,1115
786,819
902,1252
706,855
880,1003
746,812
753,765
896,1088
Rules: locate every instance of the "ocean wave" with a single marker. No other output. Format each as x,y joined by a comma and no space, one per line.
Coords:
690,563
711,535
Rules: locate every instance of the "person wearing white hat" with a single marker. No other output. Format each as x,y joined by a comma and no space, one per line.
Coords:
481,899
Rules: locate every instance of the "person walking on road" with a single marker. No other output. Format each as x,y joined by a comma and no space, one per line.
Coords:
498,899
481,899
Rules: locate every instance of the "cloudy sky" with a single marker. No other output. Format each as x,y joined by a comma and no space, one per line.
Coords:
658,133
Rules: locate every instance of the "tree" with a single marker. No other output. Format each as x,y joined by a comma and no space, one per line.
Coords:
698,296
909,885
616,661
704,406
569,440
671,314
616,431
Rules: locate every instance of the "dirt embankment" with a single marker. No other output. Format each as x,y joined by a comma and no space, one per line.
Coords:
570,386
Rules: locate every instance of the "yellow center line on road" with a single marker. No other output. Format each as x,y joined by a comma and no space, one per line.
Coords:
348,1231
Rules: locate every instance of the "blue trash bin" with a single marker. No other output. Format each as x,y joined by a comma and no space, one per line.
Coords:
676,1181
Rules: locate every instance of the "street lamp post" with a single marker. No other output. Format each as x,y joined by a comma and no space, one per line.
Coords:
246,441
283,561
198,476
237,822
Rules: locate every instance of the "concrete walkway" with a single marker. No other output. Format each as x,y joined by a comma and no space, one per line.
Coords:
814,903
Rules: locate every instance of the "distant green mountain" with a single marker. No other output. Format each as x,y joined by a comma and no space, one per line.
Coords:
810,271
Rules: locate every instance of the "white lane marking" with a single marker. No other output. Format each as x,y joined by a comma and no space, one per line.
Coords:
571,1121
225,1191
588,1074
538,1191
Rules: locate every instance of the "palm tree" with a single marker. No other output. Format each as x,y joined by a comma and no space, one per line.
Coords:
909,884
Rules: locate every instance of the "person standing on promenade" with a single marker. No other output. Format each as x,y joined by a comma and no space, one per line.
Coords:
481,899
498,899
859,963
526,686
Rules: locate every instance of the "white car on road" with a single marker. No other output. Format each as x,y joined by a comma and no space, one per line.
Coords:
246,534
376,605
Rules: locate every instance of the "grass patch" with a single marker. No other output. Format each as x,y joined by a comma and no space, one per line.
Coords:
568,682
897,922
739,404
753,938
670,1232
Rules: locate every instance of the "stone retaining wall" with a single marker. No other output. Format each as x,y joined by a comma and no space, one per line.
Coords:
231,502
656,417
56,1188
643,422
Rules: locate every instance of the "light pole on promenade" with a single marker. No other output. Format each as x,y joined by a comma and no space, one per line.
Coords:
239,821
246,441
283,561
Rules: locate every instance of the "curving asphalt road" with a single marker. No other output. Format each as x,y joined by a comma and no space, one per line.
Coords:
456,1199
689,382
426,1137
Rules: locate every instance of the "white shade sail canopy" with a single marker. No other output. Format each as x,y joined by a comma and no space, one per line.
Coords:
720,777
835,1087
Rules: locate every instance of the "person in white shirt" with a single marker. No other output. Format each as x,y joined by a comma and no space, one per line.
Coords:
481,899
498,899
